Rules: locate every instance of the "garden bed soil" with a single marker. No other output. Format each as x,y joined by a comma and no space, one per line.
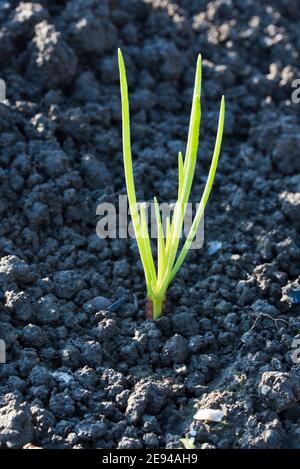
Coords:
79,374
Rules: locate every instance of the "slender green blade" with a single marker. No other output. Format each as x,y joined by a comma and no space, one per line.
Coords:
147,244
161,249
126,139
144,248
180,173
206,192
196,96
188,170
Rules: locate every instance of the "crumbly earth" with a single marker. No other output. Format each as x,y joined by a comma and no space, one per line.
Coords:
79,374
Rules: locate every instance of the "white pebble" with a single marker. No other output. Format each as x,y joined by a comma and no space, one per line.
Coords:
211,415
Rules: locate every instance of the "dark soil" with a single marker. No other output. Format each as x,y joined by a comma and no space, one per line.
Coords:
79,374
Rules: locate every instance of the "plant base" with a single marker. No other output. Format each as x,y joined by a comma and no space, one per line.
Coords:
155,307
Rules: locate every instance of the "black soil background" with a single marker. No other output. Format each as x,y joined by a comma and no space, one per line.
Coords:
79,374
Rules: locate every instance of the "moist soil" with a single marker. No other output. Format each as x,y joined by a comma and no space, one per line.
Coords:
84,367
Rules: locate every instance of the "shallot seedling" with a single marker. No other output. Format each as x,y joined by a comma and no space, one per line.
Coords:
158,278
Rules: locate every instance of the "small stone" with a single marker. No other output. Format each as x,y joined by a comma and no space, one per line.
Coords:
62,405
15,269
53,63
86,376
129,443
95,172
106,329
88,26
67,284
70,356
33,336
147,396
47,309
151,440
39,375
19,304
175,350
99,303
121,269
196,343
88,430
53,162
262,306
15,383
16,427
92,353
185,324
136,406
280,389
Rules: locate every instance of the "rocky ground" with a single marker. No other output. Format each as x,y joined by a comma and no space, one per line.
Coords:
78,372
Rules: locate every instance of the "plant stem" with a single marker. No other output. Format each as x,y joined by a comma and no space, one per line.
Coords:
155,306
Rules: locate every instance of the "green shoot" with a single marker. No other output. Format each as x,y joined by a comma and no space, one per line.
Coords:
188,443
169,261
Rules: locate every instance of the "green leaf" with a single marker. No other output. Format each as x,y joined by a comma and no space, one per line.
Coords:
188,443
161,249
180,173
143,245
206,193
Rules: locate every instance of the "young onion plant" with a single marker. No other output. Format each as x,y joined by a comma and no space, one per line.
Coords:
169,256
